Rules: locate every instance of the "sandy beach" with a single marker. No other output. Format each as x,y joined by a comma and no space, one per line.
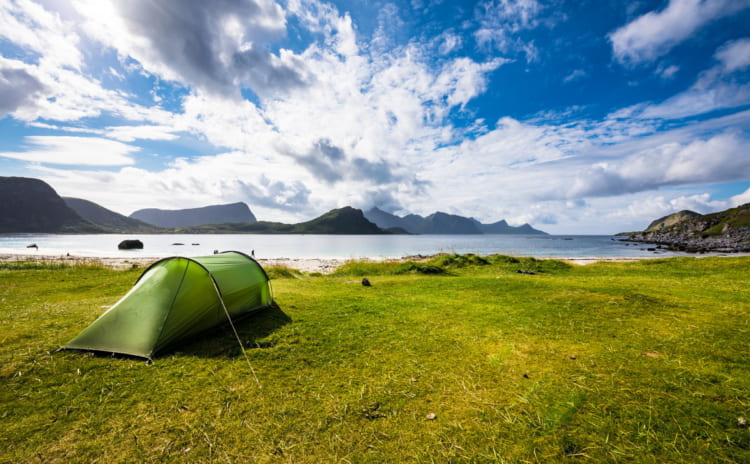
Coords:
322,265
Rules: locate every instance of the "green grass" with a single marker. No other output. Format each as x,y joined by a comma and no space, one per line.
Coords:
633,362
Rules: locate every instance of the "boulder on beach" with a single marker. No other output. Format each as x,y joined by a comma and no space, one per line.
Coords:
130,245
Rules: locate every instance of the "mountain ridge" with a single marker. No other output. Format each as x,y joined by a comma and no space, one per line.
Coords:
444,223
237,212
32,205
346,220
107,218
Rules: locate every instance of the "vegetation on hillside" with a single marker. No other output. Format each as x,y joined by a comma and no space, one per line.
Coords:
636,362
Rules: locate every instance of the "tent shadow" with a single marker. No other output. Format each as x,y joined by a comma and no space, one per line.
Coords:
222,343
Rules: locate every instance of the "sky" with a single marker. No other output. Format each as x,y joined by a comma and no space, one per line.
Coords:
581,116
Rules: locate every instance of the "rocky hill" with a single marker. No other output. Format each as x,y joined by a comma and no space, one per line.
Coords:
442,223
108,219
31,205
725,231
214,214
345,220
670,220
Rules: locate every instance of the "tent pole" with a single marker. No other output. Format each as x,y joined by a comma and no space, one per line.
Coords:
229,318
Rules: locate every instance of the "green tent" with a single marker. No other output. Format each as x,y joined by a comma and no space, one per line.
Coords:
177,298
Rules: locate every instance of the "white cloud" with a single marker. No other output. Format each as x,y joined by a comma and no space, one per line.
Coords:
511,15
740,199
714,89
449,42
714,160
372,126
655,33
667,72
575,75
18,87
272,188
501,21
35,28
144,132
734,55
641,209
91,151
199,44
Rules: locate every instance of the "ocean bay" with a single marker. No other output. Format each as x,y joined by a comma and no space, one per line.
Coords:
275,246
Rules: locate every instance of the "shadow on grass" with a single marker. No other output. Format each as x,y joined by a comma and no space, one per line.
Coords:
221,341
218,342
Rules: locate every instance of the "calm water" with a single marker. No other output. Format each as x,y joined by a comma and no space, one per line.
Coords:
325,246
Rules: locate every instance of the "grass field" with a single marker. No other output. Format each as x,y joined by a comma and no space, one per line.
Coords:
461,359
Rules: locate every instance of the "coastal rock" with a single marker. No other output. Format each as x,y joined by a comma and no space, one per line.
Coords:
723,232
130,245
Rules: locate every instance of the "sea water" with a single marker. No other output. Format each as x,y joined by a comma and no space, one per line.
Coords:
326,246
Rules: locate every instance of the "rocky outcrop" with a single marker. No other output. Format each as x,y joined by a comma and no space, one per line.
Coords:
670,220
726,231
130,245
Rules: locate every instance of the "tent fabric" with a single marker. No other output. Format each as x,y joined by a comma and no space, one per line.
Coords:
174,299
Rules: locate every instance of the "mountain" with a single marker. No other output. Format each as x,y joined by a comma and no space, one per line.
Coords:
384,220
502,227
442,223
724,231
108,219
670,220
31,205
214,214
345,220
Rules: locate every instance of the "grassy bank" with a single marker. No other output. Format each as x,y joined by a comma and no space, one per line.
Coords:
454,360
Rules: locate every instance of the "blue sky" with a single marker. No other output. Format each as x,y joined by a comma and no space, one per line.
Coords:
574,116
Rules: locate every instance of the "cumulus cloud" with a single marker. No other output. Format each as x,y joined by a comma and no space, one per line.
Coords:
91,151
346,121
41,31
18,88
740,199
655,33
642,209
216,46
278,195
734,55
714,160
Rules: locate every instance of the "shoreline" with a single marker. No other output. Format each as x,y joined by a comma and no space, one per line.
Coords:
321,265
